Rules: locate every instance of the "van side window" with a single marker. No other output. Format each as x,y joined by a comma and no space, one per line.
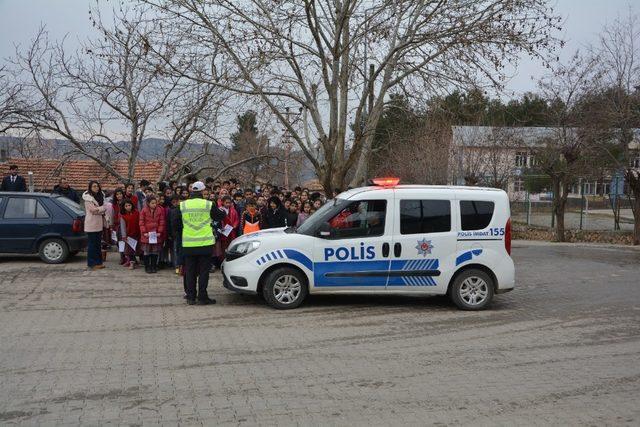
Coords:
425,216
360,219
475,215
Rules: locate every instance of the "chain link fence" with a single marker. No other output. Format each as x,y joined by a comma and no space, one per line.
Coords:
587,212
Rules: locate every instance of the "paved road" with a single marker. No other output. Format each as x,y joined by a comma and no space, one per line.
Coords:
104,347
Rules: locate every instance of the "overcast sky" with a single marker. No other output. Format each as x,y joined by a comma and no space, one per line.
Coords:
20,19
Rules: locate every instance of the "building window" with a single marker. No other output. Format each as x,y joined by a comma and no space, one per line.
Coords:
521,159
589,188
531,160
518,185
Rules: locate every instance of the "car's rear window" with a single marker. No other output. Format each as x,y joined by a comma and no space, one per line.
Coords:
73,206
475,215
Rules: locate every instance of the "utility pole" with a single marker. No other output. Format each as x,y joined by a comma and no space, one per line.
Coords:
287,142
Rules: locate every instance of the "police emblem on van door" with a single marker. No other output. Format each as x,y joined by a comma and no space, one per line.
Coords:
424,247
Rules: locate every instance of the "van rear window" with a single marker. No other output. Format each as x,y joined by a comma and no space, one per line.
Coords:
425,216
475,215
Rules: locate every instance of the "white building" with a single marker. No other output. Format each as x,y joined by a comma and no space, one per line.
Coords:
499,156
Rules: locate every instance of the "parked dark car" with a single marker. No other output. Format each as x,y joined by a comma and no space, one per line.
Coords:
49,225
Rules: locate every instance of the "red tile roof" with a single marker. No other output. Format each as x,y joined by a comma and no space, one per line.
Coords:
46,172
313,185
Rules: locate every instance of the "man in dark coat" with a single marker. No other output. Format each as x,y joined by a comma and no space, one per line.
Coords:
13,182
65,190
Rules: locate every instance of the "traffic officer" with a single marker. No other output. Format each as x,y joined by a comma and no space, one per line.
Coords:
194,222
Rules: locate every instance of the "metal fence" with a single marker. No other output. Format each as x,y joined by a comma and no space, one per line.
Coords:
593,213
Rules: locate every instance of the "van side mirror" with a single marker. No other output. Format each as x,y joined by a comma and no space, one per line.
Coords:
324,230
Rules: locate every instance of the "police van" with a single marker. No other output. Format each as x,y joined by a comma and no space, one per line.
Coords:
383,239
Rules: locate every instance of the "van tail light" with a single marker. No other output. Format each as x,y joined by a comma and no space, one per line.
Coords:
507,237
77,226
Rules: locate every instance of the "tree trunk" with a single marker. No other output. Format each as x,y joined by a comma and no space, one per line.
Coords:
634,185
559,204
636,221
362,165
325,181
632,176
560,235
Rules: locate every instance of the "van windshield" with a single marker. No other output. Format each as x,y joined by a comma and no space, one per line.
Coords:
326,212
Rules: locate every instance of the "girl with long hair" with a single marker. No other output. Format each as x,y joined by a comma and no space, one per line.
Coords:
152,223
129,227
94,223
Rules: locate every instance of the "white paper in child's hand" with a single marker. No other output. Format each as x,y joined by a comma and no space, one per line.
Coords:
227,230
120,246
132,242
114,236
153,237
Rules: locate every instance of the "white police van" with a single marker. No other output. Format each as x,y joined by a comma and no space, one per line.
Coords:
384,239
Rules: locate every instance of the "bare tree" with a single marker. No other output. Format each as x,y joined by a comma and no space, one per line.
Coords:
316,54
485,155
9,95
564,154
112,94
499,155
619,53
221,167
190,133
421,157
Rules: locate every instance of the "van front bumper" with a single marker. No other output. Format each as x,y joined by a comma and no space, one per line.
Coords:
236,283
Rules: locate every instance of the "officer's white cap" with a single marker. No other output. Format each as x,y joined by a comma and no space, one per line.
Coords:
198,186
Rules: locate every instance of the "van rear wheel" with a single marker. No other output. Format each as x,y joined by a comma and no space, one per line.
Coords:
472,290
285,288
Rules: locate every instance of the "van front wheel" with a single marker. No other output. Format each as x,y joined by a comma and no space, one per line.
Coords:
285,288
472,290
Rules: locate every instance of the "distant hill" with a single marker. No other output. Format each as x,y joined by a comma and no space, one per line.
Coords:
150,149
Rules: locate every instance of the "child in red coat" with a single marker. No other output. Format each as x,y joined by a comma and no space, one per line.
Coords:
153,232
129,227
232,218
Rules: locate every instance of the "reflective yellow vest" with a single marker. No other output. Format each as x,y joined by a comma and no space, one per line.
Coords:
196,223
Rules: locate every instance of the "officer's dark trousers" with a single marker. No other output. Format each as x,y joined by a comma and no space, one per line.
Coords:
196,269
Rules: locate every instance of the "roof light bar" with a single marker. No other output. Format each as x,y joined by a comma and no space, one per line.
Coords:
386,182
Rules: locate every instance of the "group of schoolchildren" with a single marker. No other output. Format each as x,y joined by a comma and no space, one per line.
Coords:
140,221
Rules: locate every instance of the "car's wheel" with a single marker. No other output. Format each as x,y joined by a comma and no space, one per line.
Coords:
472,290
285,288
53,251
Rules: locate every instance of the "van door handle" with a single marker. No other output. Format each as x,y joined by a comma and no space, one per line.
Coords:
397,250
385,249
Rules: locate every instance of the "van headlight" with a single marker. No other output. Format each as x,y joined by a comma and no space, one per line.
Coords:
244,248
